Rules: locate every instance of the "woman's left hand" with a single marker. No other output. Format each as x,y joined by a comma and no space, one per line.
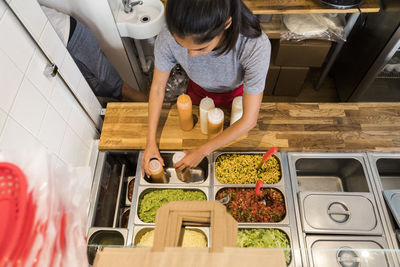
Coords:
192,159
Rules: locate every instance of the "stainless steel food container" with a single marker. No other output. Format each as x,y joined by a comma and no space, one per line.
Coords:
128,203
99,237
121,218
139,230
287,231
285,220
327,213
200,175
348,251
385,168
278,155
143,189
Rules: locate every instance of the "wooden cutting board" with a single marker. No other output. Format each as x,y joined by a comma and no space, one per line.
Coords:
289,126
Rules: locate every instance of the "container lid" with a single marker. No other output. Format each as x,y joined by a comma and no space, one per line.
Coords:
348,253
337,212
178,156
184,100
392,198
237,103
215,116
207,103
155,166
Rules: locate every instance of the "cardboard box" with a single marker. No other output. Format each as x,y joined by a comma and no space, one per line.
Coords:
272,77
308,53
168,232
290,81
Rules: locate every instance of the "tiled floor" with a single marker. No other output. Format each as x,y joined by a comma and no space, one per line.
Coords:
327,92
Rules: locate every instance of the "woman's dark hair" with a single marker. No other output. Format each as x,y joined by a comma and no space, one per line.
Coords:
203,20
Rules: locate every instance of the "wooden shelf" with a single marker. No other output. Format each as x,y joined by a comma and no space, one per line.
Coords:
304,6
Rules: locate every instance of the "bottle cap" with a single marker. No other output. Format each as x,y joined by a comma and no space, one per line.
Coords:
237,103
215,116
207,103
184,100
178,156
155,166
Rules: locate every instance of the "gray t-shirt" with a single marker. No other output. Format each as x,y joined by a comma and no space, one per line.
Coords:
248,63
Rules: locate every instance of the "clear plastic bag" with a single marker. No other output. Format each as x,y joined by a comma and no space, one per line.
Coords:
58,202
313,26
177,84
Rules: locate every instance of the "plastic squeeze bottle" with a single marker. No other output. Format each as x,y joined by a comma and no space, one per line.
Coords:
215,122
237,109
184,175
157,172
184,105
205,105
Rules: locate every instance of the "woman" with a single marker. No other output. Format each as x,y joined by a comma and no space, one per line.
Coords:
223,50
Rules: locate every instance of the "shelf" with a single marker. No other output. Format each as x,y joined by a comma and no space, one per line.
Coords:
304,6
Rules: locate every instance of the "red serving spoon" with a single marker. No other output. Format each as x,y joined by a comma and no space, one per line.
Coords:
268,154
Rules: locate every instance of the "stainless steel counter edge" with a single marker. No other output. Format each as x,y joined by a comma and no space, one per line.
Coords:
293,218
388,225
132,214
95,188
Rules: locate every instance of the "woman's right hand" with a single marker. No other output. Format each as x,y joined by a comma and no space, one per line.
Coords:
151,152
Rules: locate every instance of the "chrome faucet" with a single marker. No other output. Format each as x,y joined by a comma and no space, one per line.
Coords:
128,5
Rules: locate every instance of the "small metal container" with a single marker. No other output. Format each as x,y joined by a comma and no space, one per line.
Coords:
145,189
140,230
277,155
199,175
284,229
124,219
349,251
285,220
99,237
129,190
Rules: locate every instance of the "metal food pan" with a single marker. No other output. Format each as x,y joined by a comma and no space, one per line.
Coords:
200,175
142,190
286,230
121,218
385,172
138,230
99,237
285,220
128,202
330,172
336,250
277,155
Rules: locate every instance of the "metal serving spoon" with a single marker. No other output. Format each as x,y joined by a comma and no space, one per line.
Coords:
266,156
225,200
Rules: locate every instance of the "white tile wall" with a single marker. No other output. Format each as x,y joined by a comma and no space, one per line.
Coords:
35,74
28,11
71,73
15,42
15,137
2,8
3,118
35,110
29,107
53,45
11,79
52,130
61,99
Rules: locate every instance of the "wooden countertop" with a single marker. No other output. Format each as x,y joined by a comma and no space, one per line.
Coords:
289,126
303,7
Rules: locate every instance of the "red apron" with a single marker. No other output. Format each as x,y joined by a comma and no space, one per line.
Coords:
197,93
